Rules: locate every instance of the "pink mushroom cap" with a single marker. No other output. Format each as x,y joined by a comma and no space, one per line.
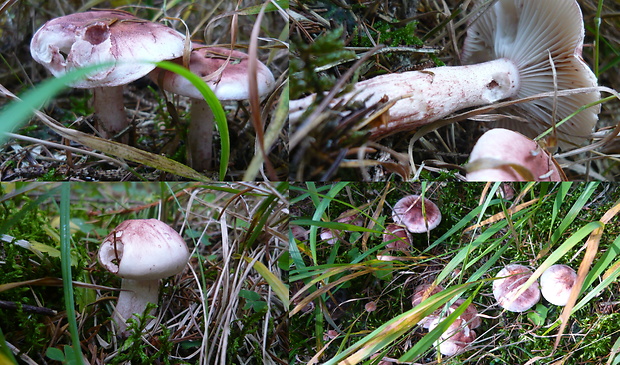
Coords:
82,39
408,212
512,279
504,155
229,81
556,284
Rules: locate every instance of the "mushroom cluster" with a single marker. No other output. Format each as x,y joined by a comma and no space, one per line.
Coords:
460,333
141,252
129,46
556,284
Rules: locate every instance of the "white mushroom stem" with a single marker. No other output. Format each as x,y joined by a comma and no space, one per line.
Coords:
200,136
428,95
109,108
133,298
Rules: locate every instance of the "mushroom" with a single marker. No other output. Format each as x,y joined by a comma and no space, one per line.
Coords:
396,237
423,291
78,40
515,40
227,74
504,155
416,213
529,33
470,316
556,284
420,294
331,236
141,252
511,279
456,338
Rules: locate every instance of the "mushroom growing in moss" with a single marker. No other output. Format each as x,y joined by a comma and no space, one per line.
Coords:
511,279
141,252
556,283
416,213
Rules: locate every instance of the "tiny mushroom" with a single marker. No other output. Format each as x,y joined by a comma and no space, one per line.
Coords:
525,46
504,155
556,284
105,36
511,279
331,236
141,252
227,73
416,213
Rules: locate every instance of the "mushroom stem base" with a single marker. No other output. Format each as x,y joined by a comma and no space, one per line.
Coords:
133,298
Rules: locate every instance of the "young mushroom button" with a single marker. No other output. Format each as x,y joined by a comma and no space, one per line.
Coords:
227,74
105,36
141,252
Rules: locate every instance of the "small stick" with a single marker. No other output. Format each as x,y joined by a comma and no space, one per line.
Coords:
27,308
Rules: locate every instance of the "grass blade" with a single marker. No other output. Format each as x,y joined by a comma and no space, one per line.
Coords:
65,263
18,112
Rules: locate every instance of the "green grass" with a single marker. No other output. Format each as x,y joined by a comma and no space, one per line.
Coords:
478,235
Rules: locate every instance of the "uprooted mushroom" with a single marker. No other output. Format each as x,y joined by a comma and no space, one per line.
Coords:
525,47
